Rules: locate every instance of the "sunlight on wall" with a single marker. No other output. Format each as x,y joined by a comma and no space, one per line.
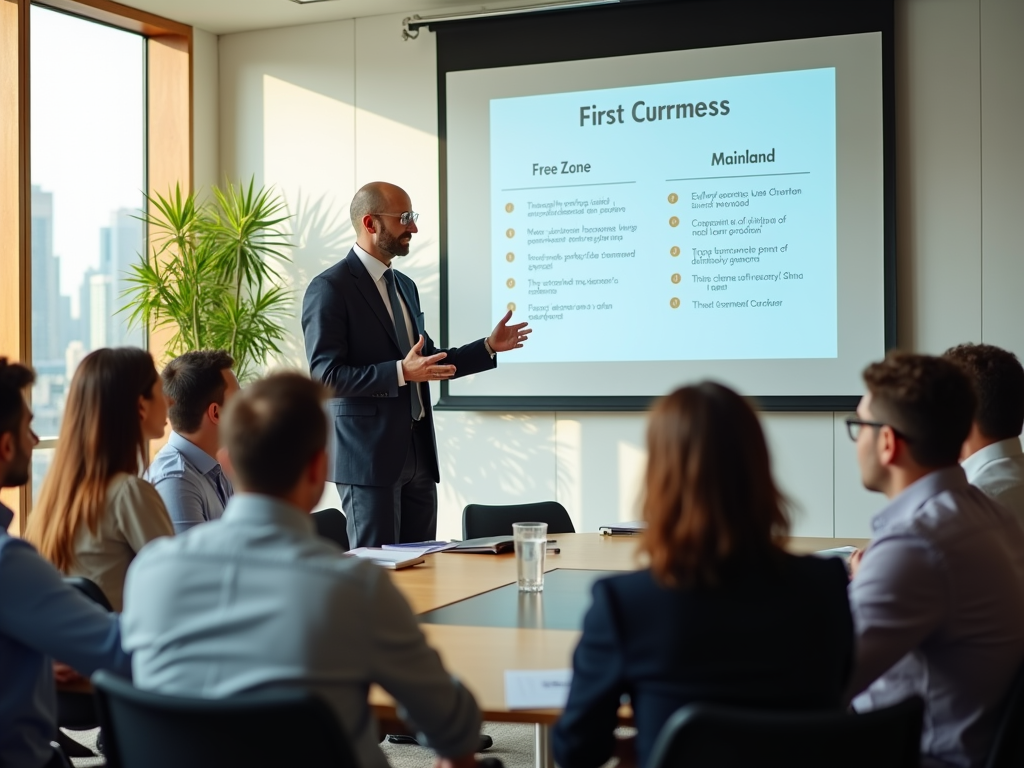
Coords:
632,462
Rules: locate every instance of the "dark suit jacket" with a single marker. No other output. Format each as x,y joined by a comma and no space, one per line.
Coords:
780,638
352,348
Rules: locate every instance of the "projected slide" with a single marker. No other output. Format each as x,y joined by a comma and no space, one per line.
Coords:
692,220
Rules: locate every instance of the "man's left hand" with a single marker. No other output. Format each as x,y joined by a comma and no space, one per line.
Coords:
505,337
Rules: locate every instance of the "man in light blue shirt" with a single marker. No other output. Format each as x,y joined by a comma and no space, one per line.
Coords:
186,472
991,455
938,596
41,618
257,599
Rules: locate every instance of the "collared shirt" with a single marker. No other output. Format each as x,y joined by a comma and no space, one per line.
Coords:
377,270
257,599
998,469
190,481
41,618
938,606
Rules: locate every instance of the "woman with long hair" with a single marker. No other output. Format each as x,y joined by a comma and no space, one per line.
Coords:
722,613
94,511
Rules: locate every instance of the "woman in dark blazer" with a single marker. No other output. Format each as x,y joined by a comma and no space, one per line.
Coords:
722,614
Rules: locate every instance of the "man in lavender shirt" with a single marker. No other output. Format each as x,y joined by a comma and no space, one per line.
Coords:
938,595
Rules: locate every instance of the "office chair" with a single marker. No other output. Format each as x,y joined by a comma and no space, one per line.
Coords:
1008,746
269,727
76,710
479,520
706,736
331,524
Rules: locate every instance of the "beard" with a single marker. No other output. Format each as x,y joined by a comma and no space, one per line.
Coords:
391,244
18,472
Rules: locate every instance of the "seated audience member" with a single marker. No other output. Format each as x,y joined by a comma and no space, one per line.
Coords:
722,613
94,512
257,599
41,618
938,596
991,455
185,472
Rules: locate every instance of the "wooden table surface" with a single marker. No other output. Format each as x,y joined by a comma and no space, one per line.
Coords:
479,656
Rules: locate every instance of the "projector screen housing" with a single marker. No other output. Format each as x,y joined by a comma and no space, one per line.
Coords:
688,56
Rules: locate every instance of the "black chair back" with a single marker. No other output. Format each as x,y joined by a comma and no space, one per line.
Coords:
331,524
264,728
90,589
706,736
479,520
1008,746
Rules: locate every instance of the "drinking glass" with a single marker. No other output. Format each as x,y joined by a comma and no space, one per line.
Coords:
531,540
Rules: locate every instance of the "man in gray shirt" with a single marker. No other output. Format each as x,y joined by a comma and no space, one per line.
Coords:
186,472
938,596
257,599
991,455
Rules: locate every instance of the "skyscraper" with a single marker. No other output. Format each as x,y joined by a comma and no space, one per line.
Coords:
120,246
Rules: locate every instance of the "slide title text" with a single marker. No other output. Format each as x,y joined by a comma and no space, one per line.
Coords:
642,113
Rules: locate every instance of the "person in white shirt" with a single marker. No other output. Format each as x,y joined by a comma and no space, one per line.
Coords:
991,455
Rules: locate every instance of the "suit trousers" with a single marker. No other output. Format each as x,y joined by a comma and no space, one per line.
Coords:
399,513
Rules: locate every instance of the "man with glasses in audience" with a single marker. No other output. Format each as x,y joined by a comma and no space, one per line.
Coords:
366,340
186,472
991,455
258,599
41,618
938,595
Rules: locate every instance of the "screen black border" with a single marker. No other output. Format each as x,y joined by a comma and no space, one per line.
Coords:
651,27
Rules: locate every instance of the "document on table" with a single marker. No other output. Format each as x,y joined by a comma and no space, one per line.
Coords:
537,688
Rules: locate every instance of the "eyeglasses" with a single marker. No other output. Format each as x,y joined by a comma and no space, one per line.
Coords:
854,427
406,218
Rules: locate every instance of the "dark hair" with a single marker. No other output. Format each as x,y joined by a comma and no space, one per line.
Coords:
14,377
192,382
999,385
928,400
100,437
709,499
272,429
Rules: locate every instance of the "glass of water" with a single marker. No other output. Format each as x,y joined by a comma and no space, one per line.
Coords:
531,540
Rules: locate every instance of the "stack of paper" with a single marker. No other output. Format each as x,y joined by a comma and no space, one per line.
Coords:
403,558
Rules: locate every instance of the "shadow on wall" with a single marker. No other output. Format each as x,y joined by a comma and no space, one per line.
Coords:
322,235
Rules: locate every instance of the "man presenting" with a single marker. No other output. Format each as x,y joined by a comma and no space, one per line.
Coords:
365,339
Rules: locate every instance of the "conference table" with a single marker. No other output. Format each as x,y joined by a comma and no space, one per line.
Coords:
471,612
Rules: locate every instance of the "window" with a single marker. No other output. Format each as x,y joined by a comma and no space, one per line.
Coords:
88,176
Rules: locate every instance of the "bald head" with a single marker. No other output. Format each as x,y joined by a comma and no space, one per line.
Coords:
372,198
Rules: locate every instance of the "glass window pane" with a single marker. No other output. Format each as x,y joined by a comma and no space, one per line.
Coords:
88,173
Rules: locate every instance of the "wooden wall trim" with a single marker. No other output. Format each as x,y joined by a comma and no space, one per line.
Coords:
123,16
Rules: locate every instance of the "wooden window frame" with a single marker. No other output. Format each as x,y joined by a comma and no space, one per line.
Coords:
169,148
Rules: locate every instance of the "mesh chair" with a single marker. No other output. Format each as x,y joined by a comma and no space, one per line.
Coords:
1008,746
331,524
479,520
271,727
702,736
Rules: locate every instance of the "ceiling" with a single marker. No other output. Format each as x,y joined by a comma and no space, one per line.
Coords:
225,16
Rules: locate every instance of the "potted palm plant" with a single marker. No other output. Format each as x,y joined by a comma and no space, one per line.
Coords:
212,274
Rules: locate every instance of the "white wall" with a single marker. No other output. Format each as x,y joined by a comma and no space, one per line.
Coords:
322,109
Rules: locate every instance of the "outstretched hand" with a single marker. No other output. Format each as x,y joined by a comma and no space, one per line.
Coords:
416,367
505,337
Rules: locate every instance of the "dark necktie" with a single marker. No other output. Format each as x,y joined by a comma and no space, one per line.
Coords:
404,343
218,484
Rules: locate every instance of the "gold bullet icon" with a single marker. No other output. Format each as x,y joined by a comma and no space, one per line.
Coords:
512,306
673,198
676,277
510,283
510,233
673,222
509,207
674,303
674,250
510,257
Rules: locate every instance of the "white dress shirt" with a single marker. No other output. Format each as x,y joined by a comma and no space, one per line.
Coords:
377,270
257,600
998,470
938,608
